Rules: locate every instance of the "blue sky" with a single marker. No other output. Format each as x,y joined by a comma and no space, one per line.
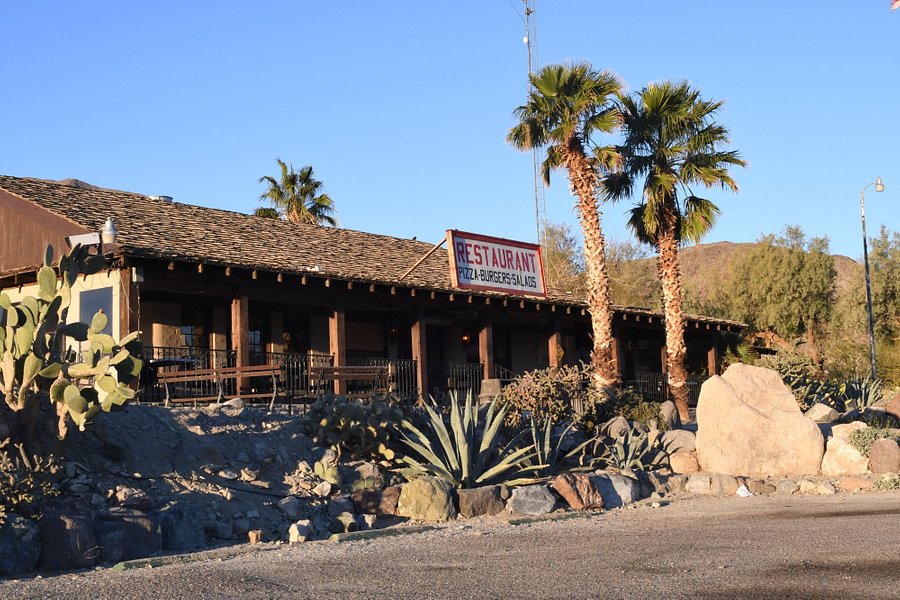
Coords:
403,107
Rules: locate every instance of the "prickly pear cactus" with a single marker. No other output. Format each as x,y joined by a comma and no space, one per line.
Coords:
359,431
32,357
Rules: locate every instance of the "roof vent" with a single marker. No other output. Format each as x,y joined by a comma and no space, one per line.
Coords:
163,198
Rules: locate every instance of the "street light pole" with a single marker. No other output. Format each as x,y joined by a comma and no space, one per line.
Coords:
879,187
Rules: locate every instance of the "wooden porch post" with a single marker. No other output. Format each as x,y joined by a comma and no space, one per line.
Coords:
128,305
553,345
420,353
486,348
240,334
337,339
618,359
712,358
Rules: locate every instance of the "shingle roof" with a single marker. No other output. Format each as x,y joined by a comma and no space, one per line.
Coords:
156,228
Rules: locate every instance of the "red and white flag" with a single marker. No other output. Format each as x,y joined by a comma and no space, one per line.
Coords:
895,4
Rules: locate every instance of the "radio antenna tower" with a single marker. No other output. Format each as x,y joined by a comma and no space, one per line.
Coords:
530,41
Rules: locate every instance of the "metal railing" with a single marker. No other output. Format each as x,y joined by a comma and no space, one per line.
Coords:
461,377
295,372
503,374
159,359
652,385
401,373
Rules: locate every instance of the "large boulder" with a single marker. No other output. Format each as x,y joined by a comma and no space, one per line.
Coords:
822,413
480,501
578,490
884,457
531,500
841,458
844,430
684,462
126,533
750,424
427,499
377,502
616,490
678,440
20,545
67,541
181,527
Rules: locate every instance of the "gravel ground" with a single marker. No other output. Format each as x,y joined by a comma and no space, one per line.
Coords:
763,547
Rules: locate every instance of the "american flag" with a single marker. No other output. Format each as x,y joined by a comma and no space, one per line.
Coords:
895,4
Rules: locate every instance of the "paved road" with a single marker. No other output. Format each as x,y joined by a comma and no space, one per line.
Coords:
762,547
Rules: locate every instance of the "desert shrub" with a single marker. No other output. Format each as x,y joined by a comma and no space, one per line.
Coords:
556,394
810,386
646,413
465,449
888,482
25,483
862,439
359,431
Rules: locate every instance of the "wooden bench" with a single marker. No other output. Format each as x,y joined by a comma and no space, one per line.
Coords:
178,384
376,376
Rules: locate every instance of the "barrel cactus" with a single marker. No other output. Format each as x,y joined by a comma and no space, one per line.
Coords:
33,356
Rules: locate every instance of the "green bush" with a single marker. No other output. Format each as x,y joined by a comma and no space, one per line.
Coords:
862,439
888,482
25,483
359,431
556,395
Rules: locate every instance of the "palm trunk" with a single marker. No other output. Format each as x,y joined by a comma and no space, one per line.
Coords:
670,278
584,182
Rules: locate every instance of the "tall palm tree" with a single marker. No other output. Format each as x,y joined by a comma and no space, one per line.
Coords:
672,141
298,196
566,107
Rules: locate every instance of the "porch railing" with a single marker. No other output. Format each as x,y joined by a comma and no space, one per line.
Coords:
652,385
295,372
169,358
401,373
461,377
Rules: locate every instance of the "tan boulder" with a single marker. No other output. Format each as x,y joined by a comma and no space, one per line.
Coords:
892,406
841,458
884,457
845,429
684,462
750,424
855,483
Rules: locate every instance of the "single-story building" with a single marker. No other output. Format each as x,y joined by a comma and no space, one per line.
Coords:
210,287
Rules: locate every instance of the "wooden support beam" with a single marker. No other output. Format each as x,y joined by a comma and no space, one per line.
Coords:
280,278
171,265
327,282
505,302
393,290
452,297
469,299
420,352
303,280
337,339
412,292
568,310
433,295
521,304
199,267
240,334
618,358
487,300
349,285
712,358
128,304
553,308
227,271
554,345
372,288
486,348
254,274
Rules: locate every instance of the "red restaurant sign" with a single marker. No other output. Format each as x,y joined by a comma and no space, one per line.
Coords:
479,262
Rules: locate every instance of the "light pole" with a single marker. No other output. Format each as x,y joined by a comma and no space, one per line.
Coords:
879,187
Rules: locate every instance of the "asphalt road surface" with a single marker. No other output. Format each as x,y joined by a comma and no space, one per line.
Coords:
763,547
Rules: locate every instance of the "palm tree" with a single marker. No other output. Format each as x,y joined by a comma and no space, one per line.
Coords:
267,212
672,141
566,106
298,196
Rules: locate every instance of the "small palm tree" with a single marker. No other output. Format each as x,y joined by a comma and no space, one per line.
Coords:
673,142
298,196
267,212
566,107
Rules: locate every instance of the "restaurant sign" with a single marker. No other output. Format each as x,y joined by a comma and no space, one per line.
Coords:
479,262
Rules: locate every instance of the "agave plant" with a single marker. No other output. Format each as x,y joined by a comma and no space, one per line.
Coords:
860,393
635,451
551,457
468,452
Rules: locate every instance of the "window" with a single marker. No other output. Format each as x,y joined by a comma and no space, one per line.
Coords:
193,330
94,301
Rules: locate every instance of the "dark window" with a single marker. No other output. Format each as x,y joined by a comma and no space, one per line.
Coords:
94,301
193,330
